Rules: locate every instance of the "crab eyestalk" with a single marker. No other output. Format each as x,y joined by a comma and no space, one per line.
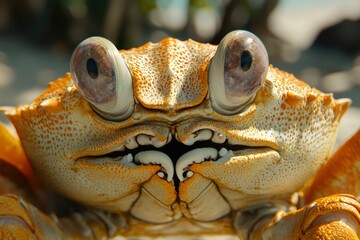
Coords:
237,71
103,79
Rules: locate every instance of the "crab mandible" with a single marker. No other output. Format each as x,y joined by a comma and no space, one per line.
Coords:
178,140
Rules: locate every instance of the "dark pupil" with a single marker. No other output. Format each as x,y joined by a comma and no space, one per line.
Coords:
92,68
245,60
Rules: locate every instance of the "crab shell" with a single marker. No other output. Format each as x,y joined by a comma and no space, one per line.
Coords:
288,130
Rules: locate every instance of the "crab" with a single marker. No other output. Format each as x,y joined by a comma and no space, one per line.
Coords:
178,140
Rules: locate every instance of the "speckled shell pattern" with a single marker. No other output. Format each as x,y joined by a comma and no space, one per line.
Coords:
293,125
175,78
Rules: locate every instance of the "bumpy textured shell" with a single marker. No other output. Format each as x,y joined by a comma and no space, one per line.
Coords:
293,123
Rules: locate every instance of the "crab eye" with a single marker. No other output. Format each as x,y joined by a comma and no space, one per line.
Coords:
237,71
101,76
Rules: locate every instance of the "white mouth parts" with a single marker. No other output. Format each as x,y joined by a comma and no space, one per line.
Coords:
200,155
182,171
172,155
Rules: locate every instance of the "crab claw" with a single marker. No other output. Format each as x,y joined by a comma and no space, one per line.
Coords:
333,217
341,173
12,153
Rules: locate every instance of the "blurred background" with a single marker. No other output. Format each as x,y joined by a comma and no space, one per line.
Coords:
317,40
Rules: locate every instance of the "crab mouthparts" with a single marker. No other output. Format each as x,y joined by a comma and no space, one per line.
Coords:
175,157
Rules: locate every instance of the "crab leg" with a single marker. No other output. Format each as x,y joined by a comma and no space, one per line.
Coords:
20,220
341,173
334,217
16,221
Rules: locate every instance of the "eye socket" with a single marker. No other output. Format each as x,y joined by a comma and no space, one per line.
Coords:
237,72
101,76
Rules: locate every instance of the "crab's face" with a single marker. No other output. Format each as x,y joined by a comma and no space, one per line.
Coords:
176,128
